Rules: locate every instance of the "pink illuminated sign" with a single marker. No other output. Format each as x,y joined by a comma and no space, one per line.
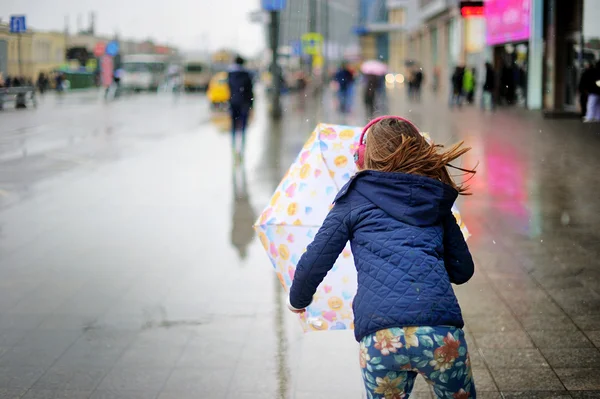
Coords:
507,20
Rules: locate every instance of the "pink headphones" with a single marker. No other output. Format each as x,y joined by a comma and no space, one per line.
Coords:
359,155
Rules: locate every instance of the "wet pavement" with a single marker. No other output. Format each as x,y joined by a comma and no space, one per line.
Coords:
130,269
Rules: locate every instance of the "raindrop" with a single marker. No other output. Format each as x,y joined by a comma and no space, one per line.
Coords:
565,219
308,120
494,241
541,241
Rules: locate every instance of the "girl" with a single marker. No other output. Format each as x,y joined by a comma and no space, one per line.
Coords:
407,248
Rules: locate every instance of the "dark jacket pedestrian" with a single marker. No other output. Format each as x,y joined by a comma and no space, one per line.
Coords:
371,89
241,100
490,78
344,79
457,86
457,80
593,89
585,84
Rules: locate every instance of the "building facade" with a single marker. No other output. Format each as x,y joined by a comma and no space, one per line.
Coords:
538,48
383,27
28,54
331,19
437,42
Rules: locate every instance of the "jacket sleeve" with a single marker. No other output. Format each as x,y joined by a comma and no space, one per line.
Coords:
321,254
457,258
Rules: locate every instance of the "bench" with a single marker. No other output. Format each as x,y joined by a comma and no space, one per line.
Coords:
20,95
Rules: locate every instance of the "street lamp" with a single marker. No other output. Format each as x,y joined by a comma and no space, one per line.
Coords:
274,7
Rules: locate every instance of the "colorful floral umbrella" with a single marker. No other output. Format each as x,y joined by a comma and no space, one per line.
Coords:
297,210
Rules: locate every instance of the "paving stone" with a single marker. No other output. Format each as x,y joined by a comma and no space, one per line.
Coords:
567,339
504,339
540,379
572,357
514,358
580,379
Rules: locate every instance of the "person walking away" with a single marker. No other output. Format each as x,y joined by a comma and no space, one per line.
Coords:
408,250
457,87
60,80
419,78
344,79
488,87
593,89
467,84
370,94
42,83
241,88
585,81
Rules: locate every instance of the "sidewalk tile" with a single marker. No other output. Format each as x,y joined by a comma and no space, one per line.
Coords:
490,324
568,339
50,394
594,336
536,379
572,357
122,394
505,339
545,322
513,358
483,380
537,395
580,379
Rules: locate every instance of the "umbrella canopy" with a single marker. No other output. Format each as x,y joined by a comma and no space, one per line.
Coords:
374,67
297,210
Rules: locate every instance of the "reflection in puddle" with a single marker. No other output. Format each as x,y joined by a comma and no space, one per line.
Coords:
242,232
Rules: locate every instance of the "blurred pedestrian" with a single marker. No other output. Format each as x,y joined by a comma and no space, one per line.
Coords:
507,85
403,201
241,88
344,79
372,83
585,82
42,82
489,86
469,85
457,86
419,79
593,89
60,82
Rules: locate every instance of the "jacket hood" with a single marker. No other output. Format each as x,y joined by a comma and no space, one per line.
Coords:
412,199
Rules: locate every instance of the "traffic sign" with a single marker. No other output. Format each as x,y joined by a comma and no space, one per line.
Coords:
112,48
100,49
17,24
273,5
312,43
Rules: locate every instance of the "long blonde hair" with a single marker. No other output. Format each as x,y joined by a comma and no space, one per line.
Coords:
394,145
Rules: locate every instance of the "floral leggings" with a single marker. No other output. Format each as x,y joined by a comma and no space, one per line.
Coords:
391,360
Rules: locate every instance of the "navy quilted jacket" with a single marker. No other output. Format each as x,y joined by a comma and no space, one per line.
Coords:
407,249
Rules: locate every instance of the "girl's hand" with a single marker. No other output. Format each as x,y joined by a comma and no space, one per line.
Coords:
293,309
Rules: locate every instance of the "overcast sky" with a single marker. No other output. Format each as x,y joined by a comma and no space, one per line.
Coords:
189,24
